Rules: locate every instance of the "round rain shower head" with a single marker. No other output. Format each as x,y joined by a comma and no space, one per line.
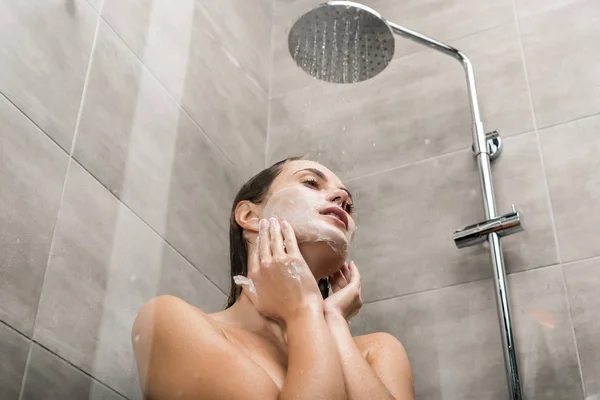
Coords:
341,42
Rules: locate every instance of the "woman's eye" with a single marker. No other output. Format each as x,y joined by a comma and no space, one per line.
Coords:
312,182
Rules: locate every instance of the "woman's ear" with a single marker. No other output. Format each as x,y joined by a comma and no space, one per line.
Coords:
246,215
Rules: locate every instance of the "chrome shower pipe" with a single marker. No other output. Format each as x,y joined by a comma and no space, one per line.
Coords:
489,205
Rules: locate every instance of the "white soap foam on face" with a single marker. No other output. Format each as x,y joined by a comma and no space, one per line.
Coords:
300,207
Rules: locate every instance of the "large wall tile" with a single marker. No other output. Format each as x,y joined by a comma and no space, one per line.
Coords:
572,164
453,341
176,42
32,172
106,263
13,356
406,218
45,51
137,141
49,377
429,17
563,72
418,108
583,280
544,335
451,336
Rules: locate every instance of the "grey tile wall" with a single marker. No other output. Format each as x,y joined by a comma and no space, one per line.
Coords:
49,377
45,61
106,263
418,108
583,280
174,119
139,143
453,341
564,73
411,211
179,45
570,153
29,202
13,356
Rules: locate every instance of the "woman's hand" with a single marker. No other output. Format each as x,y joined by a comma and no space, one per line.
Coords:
280,282
346,299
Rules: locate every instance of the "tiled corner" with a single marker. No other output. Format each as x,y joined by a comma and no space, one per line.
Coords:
32,172
106,263
418,108
583,280
452,20
13,356
45,61
453,342
49,377
543,331
177,44
412,211
139,143
564,73
572,164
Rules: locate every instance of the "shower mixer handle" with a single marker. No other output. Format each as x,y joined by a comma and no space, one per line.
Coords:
503,225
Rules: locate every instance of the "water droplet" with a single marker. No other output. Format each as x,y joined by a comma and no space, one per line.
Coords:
486,244
136,338
427,141
373,144
133,278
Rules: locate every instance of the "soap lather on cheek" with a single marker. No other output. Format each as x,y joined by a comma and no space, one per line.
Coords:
300,207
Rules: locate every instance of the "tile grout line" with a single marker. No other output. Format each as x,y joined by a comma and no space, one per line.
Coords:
269,95
460,283
572,330
547,190
64,186
591,258
25,373
537,133
86,81
148,225
424,160
171,97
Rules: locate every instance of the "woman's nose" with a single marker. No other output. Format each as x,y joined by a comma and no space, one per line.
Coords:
339,197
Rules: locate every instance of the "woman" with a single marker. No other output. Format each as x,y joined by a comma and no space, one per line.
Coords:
278,338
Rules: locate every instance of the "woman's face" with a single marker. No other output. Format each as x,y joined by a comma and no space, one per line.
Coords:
316,204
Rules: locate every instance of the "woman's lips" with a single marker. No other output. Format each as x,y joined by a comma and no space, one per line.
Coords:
335,219
337,214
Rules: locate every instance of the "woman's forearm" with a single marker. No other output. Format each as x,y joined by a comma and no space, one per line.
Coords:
361,381
314,371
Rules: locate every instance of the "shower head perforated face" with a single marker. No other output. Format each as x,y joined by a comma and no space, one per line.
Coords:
341,42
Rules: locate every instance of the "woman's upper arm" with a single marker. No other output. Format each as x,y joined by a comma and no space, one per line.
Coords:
181,355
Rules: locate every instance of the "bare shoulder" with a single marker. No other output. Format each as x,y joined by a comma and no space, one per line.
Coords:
177,347
388,358
380,341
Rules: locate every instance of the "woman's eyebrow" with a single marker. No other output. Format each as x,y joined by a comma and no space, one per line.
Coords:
321,175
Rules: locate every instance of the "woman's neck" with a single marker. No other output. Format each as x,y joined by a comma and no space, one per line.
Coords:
243,314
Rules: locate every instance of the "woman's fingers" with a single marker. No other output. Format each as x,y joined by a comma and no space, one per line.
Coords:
347,272
264,242
276,238
289,237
